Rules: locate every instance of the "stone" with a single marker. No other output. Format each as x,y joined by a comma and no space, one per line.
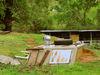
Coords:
8,60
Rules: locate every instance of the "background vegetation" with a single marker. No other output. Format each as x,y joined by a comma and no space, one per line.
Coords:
35,15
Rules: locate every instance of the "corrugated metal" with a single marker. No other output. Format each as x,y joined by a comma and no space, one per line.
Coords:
52,31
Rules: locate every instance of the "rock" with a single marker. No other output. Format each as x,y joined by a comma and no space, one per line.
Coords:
8,60
15,62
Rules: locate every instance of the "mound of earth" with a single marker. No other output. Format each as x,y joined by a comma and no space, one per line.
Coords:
30,42
88,56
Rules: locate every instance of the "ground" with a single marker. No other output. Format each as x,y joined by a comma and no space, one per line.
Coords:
11,44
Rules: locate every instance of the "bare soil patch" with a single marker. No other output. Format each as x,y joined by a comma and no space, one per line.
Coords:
88,56
30,42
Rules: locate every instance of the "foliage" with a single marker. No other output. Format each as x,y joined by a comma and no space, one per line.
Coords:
35,15
73,13
95,46
1,9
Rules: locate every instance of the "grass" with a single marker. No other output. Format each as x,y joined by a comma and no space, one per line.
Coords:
92,68
11,44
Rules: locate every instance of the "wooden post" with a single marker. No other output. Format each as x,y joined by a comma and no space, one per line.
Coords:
44,57
73,56
32,58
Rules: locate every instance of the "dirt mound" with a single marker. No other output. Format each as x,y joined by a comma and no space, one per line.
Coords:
88,56
30,42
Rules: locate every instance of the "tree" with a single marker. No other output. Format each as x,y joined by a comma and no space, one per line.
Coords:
40,15
6,18
86,5
74,12
98,19
68,13
34,15
29,12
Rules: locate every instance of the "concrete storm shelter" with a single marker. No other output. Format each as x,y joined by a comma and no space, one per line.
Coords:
75,35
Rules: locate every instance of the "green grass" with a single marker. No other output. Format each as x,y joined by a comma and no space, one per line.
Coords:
92,68
11,44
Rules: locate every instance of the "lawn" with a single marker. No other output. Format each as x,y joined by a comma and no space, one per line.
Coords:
92,68
11,45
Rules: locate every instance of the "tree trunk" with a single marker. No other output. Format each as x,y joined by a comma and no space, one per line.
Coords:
8,28
8,15
7,20
84,22
84,19
98,19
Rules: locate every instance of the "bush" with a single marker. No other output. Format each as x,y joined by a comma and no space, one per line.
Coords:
95,46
